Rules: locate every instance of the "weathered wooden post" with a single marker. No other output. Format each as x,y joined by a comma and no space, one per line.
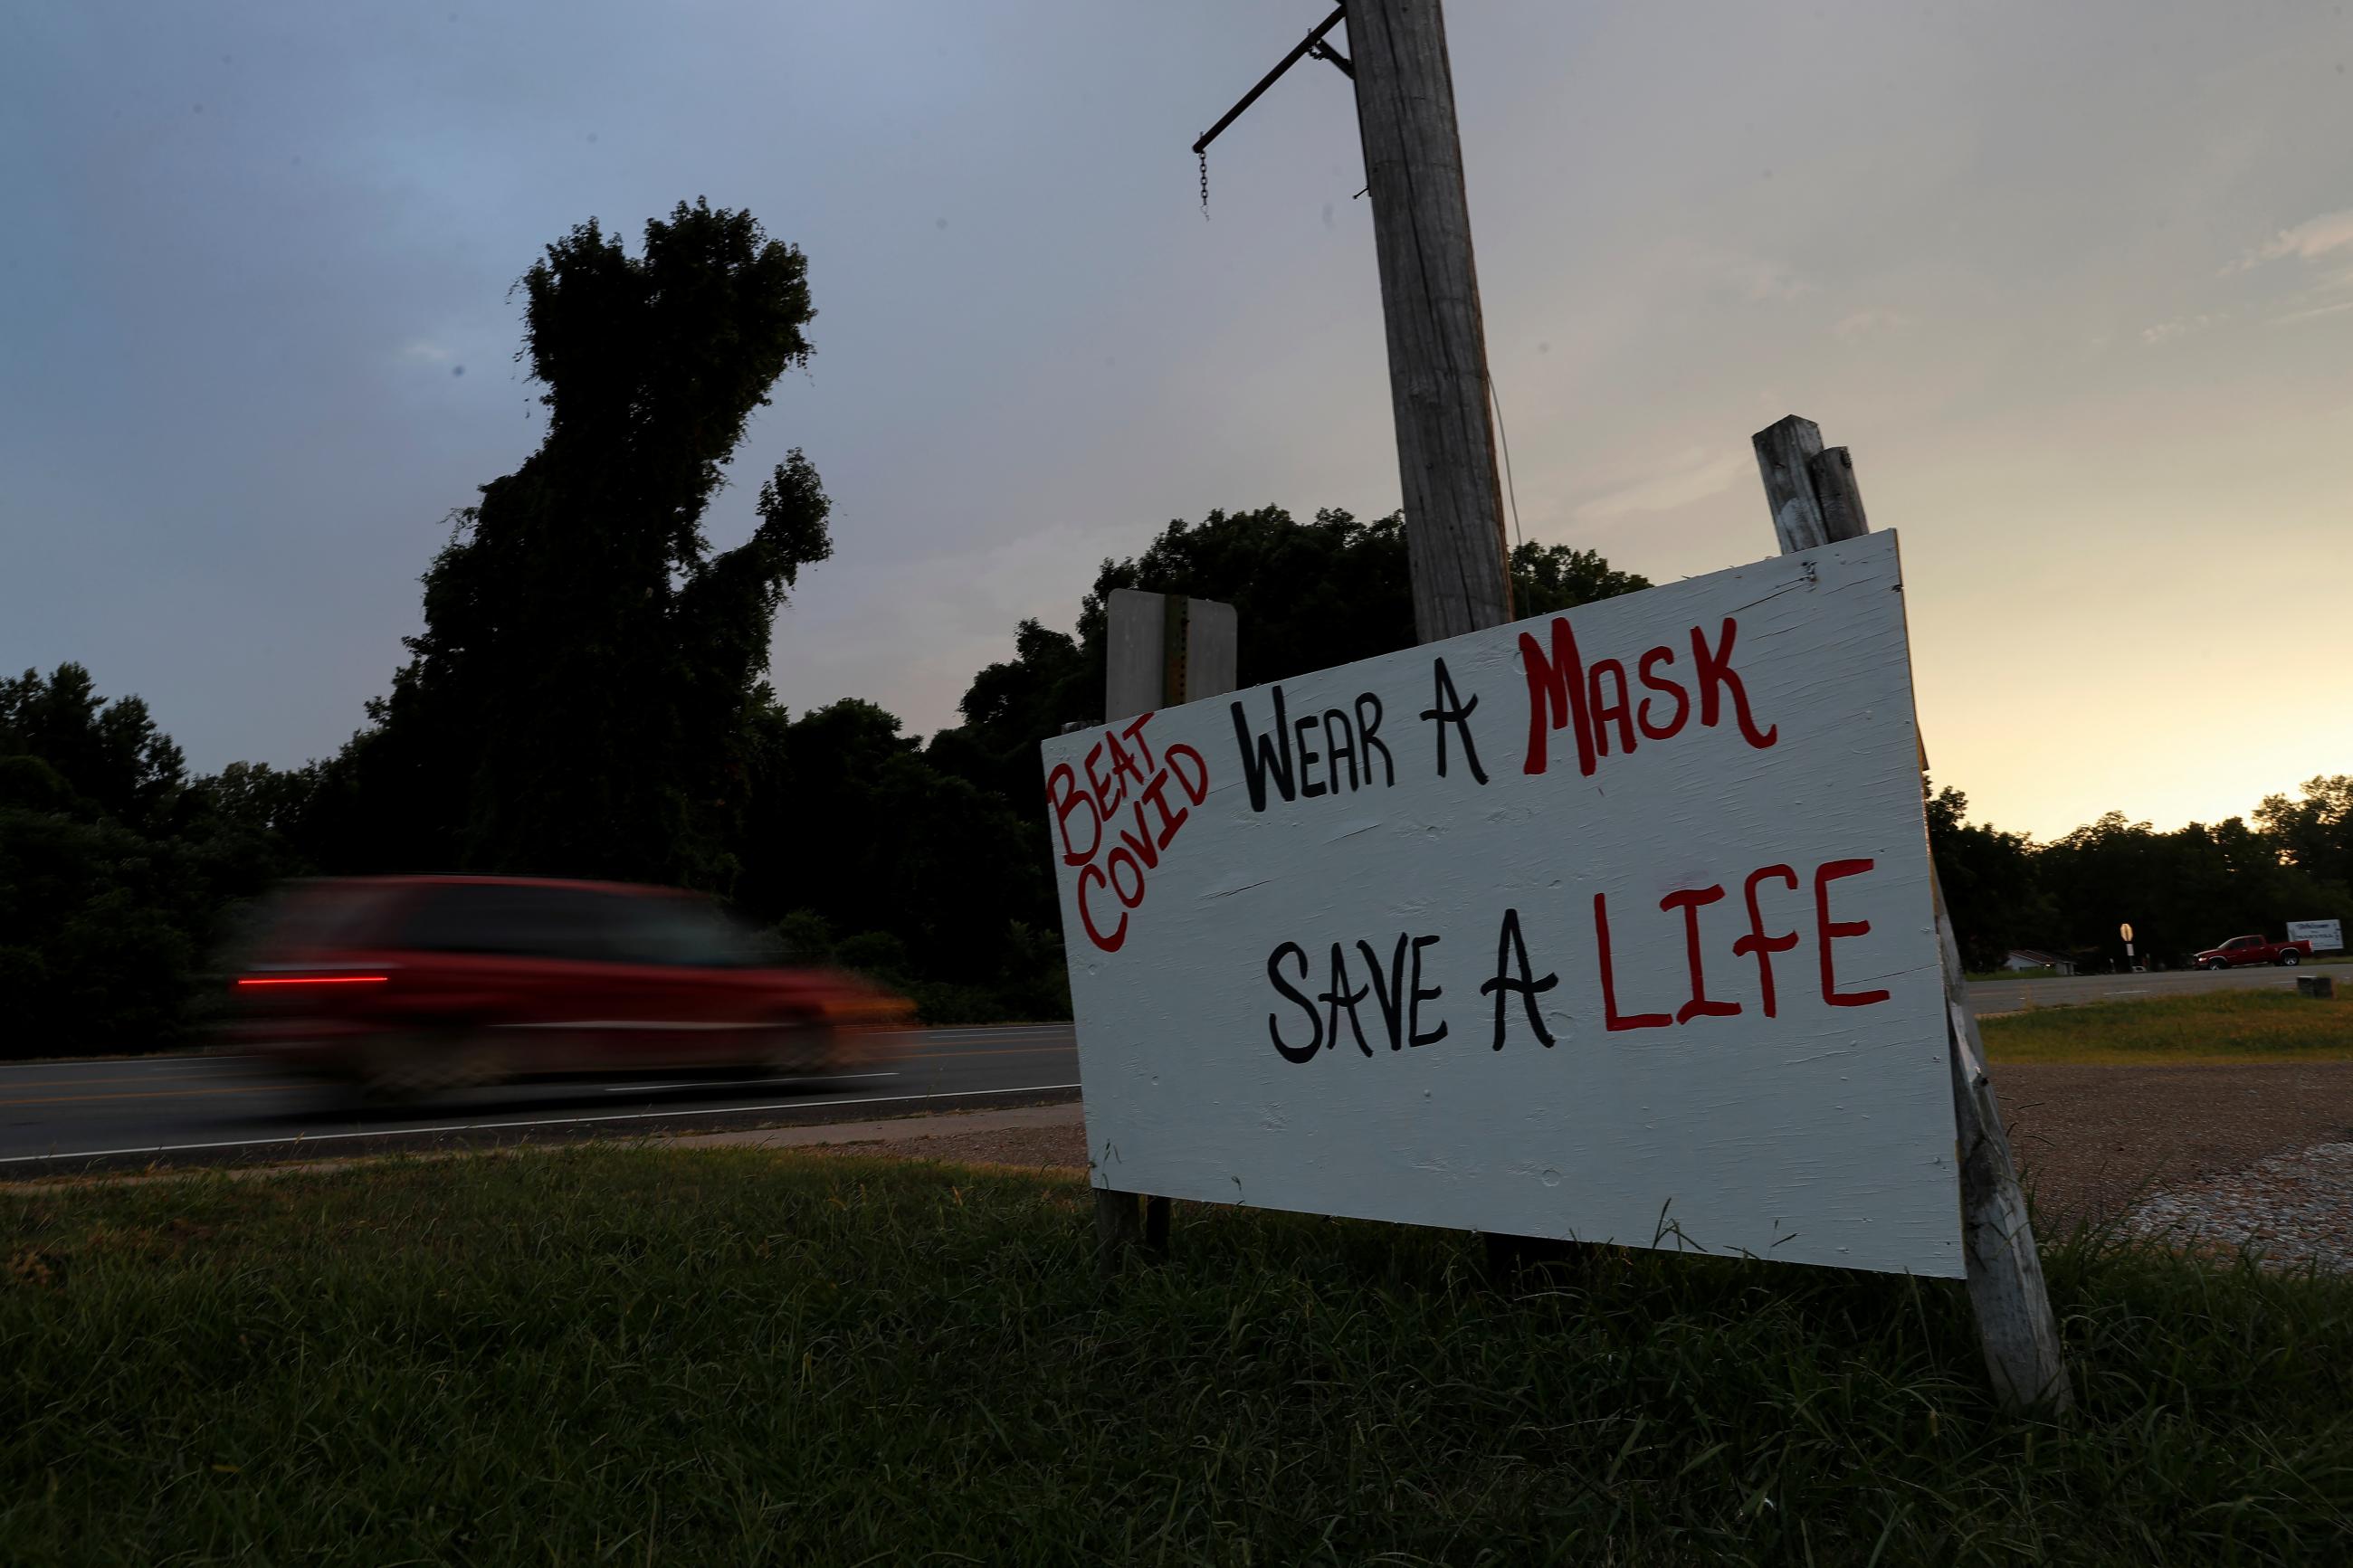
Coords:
1429,301
1815,501
1161,649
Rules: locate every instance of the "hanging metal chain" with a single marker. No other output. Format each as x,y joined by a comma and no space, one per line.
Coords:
1205,187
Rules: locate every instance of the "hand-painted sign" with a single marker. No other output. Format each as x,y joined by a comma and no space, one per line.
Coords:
1613,925
2325,936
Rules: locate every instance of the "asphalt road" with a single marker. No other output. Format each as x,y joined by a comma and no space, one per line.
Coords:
66,1115
2010,995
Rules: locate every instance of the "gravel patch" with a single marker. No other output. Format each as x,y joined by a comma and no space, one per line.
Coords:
2292,1210
2092,1141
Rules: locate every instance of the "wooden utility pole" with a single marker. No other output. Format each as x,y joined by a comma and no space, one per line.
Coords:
1430,298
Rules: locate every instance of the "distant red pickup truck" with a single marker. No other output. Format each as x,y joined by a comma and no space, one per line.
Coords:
2245,952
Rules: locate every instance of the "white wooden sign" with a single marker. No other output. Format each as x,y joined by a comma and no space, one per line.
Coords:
1613,926
2325,936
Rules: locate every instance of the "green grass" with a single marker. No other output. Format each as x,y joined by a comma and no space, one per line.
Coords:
2043,971
2211,1026
635,1355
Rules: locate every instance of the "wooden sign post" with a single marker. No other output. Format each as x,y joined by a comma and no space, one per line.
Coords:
1815,501
1161,649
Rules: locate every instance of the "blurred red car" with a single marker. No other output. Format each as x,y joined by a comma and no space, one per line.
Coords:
414,984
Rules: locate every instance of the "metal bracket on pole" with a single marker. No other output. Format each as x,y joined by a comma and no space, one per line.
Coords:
1311,43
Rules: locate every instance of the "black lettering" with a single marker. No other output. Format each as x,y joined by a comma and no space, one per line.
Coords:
1266,761
1347,748
1291,1053
1337,996
1446,706
1510,945
1417,995
1368,731
1390,997
1308,788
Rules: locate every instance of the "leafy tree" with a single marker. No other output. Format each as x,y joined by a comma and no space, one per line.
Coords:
1307,596
107,758
579,699
2314,834
114,869
1991,893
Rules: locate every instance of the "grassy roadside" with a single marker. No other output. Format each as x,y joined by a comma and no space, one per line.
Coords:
721,1356
2211,1026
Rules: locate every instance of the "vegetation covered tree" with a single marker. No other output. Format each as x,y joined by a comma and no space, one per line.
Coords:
1991,891
1307,596
115,869
581,697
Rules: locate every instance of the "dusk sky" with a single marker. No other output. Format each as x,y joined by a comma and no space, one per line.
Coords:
2074,283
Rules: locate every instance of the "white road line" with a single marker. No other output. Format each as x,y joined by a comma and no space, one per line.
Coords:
503,1126
991,1028
50,1064
741,1082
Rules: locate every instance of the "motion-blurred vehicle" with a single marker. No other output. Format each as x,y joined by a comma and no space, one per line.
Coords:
409,984
2244,951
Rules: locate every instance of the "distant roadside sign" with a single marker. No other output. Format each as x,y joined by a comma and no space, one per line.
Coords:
1614,926
2324,935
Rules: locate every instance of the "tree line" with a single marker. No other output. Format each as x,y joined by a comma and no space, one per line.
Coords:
2194,887
589,697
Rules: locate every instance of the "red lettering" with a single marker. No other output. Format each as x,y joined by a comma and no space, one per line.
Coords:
1604,712
1066,805
1157,798
1658,656
1715,675
1555,695
1610,980
1086,917
1691,901
1122,763
1144,849
1757,941
1115,860
1197,788
1830,930
1105,802
1134,731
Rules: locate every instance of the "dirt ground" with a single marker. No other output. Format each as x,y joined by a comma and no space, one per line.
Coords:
2089,1139
1052,1148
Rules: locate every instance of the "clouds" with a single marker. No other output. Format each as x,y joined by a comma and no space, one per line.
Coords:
1691,475
232,421
2308,241
2166,331
1869,321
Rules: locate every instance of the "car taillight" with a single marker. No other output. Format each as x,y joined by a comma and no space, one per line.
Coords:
256,981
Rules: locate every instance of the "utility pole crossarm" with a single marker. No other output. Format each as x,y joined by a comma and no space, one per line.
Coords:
1311,44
